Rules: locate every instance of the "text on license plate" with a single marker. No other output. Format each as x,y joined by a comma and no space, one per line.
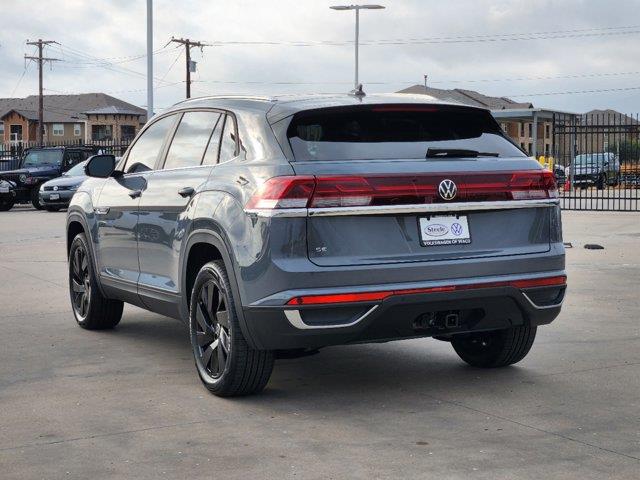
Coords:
444,230
54,196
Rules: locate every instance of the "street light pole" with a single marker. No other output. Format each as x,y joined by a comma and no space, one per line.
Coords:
149,59
357,9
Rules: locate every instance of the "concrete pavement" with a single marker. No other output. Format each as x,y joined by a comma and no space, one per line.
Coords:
128,404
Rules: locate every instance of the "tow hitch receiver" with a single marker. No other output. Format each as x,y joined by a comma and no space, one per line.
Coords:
442,320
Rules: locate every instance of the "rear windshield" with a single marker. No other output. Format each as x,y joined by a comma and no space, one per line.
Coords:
394,131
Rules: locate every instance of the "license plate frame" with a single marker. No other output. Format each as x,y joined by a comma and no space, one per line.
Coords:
441,230
54,196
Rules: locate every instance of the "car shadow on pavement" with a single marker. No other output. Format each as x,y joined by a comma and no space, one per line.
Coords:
421,367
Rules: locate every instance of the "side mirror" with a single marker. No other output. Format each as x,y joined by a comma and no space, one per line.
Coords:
101,166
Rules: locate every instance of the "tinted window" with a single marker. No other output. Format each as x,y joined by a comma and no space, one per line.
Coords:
394,131
228,143
36,158
211,157
145,151
189,142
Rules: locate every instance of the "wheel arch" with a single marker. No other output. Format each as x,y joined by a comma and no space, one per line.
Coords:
204,246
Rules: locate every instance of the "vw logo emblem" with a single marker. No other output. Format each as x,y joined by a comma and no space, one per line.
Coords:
447,189
55,189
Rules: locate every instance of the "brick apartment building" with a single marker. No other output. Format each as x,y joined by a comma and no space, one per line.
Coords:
69,118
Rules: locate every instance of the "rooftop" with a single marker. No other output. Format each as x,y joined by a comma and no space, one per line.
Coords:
68,108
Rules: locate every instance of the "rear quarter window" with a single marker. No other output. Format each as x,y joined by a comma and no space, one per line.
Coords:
375,132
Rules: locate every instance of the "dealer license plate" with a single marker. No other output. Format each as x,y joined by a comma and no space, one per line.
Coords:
444,230
54,196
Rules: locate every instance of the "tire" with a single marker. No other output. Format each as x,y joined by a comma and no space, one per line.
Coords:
602,182
35,199
226,364
90,308
6,205
497,348
52,209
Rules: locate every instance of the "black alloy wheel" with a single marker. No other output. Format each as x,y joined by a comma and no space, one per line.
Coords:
91,309
80,282
226,364
212,334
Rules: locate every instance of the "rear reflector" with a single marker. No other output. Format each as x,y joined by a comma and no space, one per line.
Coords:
560,280
369,190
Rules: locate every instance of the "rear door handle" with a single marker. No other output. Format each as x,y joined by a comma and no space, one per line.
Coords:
186,192
135,193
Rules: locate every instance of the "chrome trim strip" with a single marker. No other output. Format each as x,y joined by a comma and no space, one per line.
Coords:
405,209
432,208
543,307
296,320
284,212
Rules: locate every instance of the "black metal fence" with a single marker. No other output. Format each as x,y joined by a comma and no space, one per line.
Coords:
597,161
11,154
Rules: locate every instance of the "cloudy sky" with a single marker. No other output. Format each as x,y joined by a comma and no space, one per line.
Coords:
559,54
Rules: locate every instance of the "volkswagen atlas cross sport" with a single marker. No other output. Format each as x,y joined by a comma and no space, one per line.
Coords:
277,226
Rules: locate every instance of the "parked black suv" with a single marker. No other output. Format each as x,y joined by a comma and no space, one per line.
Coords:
37,166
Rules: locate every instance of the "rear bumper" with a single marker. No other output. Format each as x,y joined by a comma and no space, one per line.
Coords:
442,314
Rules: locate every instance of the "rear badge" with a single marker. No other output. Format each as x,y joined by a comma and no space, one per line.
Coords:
444,230
447,189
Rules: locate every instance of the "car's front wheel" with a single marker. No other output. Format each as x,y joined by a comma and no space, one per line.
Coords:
91,309
226,364
496,348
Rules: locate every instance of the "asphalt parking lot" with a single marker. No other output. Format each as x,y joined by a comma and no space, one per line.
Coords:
128,403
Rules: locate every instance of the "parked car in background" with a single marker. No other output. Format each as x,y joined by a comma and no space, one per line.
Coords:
561,175
56,194
7,195
39,165
595,169
277,226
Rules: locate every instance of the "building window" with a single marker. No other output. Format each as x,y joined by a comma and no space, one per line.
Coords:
101,132
77,129
127,132
1,129
547,131
15,132
58,129
530,151
530,130
522,131
547,150
522,145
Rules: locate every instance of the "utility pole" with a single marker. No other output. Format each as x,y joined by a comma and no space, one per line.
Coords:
40,59
188,43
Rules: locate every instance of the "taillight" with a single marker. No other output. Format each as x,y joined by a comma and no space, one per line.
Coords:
557,281
283,192
367,190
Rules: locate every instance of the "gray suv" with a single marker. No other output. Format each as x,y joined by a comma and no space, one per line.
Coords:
277,226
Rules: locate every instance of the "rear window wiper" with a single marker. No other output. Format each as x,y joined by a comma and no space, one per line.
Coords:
457,153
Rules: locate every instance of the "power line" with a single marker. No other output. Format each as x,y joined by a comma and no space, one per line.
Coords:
548,35
575,92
